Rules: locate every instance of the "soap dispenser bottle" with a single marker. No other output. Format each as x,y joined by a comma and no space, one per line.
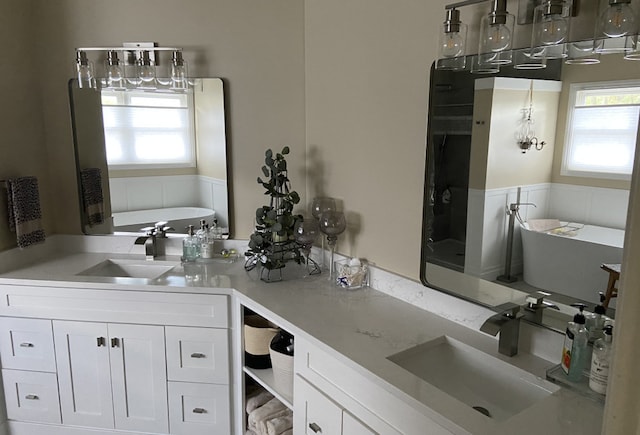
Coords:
574,350
596,320
600,361
190,247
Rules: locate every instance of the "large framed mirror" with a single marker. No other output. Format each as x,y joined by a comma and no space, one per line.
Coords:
151,155
509,211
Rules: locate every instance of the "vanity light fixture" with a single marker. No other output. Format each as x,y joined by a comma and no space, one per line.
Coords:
551,29
452,41
496,35
616,30
134,65
84,70
618,19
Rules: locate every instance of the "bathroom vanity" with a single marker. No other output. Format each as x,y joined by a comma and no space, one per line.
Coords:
152,347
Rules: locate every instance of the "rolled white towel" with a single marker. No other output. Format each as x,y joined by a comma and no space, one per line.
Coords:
278,425
262,424
257,400
287,432
263,413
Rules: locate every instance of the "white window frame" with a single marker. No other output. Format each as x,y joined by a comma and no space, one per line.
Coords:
573,92
124,98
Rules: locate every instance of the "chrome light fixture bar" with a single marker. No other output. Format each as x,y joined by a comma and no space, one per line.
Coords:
132,65
616,31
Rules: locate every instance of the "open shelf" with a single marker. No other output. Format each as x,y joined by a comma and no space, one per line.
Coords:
265,378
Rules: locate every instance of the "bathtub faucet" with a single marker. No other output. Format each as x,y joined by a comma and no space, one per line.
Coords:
150,239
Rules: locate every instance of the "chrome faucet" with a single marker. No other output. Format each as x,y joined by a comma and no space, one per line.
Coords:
535,305
507,323
149,240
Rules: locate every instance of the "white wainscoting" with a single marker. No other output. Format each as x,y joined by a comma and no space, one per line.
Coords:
142,193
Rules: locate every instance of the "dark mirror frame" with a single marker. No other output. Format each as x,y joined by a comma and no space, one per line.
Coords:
96,157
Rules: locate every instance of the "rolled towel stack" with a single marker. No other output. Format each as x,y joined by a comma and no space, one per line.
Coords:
270,418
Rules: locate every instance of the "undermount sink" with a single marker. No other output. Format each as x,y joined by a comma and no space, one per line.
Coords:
487,384
117,268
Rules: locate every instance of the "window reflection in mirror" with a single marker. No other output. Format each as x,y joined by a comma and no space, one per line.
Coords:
162,155
475,168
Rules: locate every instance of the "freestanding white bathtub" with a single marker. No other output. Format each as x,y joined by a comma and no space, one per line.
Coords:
178,217
571,264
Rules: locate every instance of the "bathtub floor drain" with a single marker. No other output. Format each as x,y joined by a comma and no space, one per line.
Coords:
482,410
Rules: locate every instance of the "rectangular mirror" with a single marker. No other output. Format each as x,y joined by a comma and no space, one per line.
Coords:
153,155
548,141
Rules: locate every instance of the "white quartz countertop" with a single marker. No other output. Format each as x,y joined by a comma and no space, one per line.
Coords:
359,327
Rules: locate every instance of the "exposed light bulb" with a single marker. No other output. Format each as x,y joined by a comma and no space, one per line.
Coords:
553,30
178,71
452,45
497,37
146,69
617,20
84,71
113,70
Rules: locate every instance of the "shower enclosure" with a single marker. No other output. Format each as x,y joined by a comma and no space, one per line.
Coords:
448,153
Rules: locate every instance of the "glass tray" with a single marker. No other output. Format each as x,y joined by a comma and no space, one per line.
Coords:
556,375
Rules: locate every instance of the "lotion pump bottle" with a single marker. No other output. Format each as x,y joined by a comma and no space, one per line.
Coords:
190,251
574,350
600,361
596,320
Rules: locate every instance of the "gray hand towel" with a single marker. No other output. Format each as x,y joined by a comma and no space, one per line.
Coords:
25,217
92,198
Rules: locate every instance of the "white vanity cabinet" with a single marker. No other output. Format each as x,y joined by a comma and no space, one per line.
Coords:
318,414
106,361
331,397
112,375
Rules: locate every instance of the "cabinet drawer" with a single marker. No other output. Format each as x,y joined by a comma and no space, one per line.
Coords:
31,396
27,344
199,409
197,355
98,305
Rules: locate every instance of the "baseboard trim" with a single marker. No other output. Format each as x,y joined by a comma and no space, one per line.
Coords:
24,428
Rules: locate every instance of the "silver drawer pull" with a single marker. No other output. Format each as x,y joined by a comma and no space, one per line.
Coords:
198,355
26,344
31,397
315,428
199,411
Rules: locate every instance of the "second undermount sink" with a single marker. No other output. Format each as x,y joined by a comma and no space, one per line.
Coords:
479,380
116,268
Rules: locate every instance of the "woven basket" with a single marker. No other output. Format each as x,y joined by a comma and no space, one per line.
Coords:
258,333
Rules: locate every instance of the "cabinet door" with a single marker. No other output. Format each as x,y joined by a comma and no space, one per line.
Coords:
320,416
139,378
31,396
199,409
353,426
83,373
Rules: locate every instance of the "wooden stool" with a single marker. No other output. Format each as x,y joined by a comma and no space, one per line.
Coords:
614,276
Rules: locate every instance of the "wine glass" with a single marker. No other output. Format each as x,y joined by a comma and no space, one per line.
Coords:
332,223
318,206
306,232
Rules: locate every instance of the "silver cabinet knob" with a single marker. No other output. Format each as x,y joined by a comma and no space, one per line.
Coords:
198,355
199,411
31,397
101,341
115,342
26,344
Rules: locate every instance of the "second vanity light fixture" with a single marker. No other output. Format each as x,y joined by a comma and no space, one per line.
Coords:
616,30
133,65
